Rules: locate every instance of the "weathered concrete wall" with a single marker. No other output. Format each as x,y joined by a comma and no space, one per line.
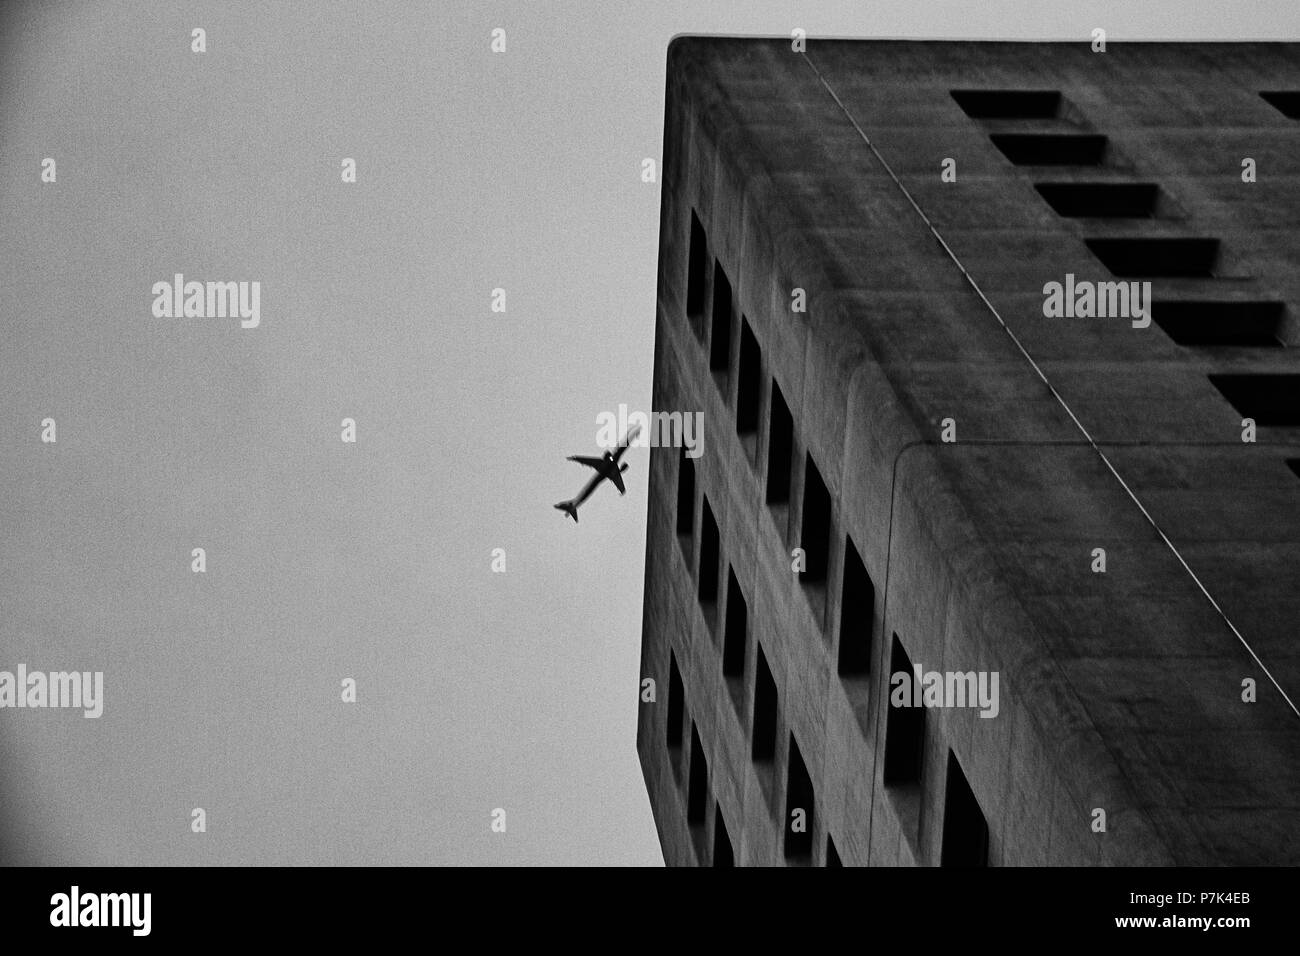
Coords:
1118,690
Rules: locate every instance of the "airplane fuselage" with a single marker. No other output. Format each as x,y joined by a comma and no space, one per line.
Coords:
609,468
606,468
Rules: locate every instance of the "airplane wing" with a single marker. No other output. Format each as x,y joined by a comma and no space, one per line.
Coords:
596,463
617,479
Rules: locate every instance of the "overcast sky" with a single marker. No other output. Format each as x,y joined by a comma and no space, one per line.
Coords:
373,560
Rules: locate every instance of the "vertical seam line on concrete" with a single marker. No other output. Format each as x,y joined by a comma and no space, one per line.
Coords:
1050,387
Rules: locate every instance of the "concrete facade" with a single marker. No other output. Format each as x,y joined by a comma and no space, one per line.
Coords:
1120,691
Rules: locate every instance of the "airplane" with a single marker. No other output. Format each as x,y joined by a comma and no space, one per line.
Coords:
606,467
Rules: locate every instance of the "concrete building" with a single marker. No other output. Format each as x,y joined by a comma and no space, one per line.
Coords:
1071,503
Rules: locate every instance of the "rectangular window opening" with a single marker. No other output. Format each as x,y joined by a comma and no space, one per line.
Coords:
749,381
734,632
857,613
799,800
904,729
832,855
676,695
780,449
1009,104
697,791
965,831
720,341
723,855
1101,200
1156,258
1051,149
1271,400
709,555
765,710
815,536
1245,324
697,264
1286,102
685,494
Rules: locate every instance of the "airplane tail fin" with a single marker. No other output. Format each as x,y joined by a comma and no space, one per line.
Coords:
569,508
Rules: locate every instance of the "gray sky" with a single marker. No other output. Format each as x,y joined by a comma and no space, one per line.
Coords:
325,560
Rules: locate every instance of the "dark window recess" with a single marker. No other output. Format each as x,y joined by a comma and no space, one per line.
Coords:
798,797
708,555
720,343
696,268
722,852
832,855
764,746
1294,465
1287,102
676,699
733,640
1253,324
1009,104
965,832
905,728
685,494
815,537
749,381
1051,149
858,603
1156,258
780,448
1101,200
1268,399
697,791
